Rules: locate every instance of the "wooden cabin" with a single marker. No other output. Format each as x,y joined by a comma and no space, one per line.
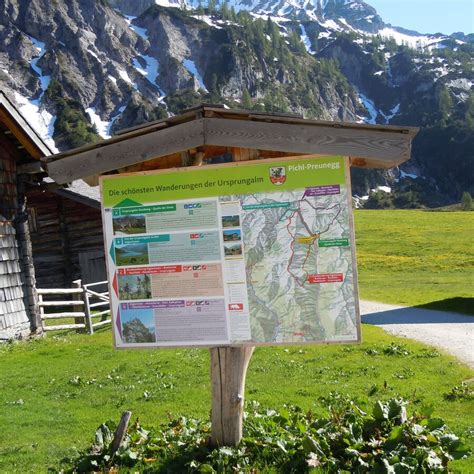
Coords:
66,234
20,151
50,235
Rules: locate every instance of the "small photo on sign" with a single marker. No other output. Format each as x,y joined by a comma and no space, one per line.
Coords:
230,221
232,235
231,250
126,225
134,287
138,326
131,254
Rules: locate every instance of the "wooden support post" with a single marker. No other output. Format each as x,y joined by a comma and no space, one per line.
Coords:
87,312
78,308
228,371
26,259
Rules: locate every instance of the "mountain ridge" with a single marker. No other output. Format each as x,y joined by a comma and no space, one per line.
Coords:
83,68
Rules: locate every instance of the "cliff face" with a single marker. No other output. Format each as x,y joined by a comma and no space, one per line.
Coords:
84,68
106,61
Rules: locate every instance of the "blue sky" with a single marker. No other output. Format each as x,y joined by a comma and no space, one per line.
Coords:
144,315
427,16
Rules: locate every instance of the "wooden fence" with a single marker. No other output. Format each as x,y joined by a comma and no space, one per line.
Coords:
80,302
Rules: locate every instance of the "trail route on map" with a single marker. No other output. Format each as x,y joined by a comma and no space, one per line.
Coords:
239,254
298,289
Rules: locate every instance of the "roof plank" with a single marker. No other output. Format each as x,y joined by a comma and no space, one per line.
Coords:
118,154
382,148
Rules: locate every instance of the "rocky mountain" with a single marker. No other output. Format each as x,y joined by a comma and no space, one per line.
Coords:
134,331
80,70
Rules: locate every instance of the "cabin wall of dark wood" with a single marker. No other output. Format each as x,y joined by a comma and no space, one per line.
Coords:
14,312
64,229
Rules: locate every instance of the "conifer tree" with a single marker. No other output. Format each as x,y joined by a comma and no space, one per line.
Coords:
246,99
466,201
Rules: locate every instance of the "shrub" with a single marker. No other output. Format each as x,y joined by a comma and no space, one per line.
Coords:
288,441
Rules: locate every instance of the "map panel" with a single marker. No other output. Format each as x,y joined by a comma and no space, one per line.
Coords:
298,291
247,254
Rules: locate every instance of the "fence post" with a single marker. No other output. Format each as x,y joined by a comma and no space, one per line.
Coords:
78,308
87,311
41,311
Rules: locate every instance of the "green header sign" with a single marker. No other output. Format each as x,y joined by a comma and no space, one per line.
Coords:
261,176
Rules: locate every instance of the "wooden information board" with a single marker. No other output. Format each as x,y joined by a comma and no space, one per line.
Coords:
250,253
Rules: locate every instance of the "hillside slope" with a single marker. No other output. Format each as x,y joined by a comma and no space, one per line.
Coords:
83,69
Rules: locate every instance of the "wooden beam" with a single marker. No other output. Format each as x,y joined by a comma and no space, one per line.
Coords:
381,148
118,154
244,154
30,168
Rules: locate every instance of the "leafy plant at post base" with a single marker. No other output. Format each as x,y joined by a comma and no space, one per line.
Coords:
289,441
460,392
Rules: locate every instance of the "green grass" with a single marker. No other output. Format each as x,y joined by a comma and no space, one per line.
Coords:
55,392
417,258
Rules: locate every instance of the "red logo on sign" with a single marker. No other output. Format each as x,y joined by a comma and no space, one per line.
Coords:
278,175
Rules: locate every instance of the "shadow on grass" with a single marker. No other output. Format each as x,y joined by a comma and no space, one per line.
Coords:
444,311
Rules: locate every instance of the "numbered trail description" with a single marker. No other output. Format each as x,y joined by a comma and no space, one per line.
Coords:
248,253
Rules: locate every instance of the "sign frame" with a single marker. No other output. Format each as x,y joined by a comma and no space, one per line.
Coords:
266,162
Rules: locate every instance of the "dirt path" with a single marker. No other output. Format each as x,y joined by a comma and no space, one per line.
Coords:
449,331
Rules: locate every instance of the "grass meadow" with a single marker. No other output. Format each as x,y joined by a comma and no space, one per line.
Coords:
417,258
54,392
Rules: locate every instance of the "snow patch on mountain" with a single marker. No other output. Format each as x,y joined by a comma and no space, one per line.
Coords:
306,41
171,3
137,29
124,76
31,108
191,67
39,118
385,189
370,106
44,80
393,111
95,55
415,41
103,127
407,175
209,20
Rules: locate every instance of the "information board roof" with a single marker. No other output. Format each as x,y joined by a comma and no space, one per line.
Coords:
375,146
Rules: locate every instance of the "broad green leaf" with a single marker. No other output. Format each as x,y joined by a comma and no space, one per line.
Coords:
380,411
460,451
206,469
396,434
434,423
310,445
226,451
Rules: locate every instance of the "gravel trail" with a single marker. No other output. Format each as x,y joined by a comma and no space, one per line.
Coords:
451,332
